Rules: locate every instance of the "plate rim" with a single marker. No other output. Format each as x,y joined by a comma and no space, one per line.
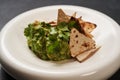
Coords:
5,27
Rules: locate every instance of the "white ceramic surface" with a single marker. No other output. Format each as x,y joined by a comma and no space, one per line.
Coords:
22,64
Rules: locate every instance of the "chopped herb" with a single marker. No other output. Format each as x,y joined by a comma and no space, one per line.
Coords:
48,42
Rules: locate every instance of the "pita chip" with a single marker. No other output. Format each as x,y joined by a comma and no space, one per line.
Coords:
85,55
62,17
79,43
87,26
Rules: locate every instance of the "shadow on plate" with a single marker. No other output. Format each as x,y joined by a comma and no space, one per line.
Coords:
5,76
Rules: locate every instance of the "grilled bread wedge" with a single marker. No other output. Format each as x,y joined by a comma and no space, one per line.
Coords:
62,17
87,54
79,43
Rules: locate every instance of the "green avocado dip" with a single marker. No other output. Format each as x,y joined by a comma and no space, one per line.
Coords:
49,42
56,41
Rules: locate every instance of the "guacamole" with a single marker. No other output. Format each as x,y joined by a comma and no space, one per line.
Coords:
49,42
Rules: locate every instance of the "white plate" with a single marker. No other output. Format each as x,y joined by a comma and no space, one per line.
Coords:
21,63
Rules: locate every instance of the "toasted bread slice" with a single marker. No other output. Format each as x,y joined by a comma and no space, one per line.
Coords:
79,43
87,54
62,17
87,26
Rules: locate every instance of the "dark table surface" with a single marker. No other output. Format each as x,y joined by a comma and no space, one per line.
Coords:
12,8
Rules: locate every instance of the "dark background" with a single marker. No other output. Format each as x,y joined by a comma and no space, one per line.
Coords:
11,8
